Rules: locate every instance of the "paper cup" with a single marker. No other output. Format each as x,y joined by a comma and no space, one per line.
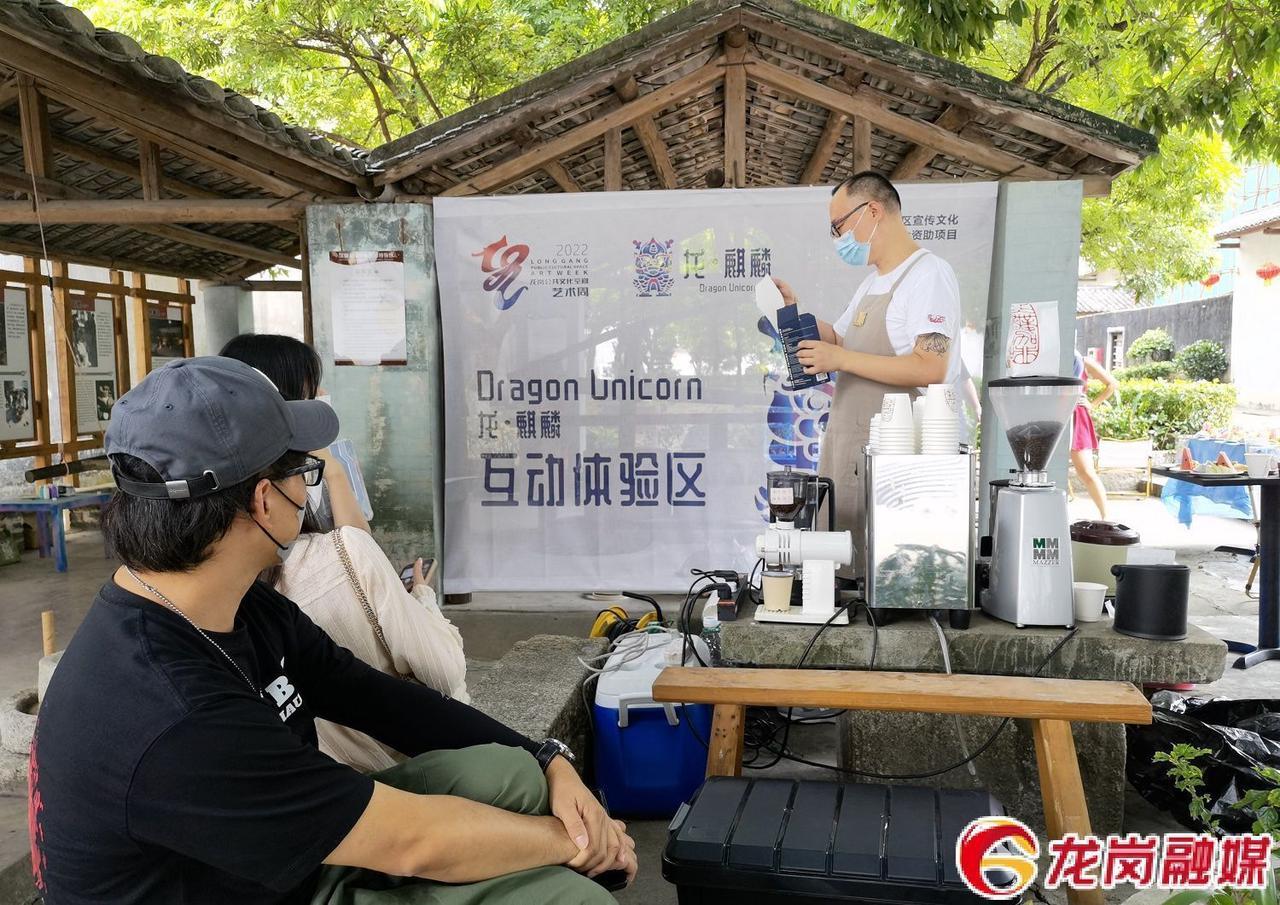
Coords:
940,401
1087,598
895,411
1259,464
777,589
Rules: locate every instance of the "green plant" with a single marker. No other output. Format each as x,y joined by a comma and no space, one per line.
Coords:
1152,370
1188,777
1203,360
1165,409
1154,345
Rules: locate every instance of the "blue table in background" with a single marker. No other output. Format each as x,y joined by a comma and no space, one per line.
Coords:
50,531
1184,499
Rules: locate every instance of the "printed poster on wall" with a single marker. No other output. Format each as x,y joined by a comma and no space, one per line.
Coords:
368,307
168,336
15,366
614,398
93,348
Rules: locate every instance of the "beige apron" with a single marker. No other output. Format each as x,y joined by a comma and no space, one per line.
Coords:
856,400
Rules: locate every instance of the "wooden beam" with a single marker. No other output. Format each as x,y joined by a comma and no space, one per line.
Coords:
728,730
613,160
188,328
861,144
824,150
120,329
735,109
66,377
39,359
919,131
33,115
35,250
538,156
953,119
922,81
151,174
201,130
273,285
555,169
142,325
131,210
646,129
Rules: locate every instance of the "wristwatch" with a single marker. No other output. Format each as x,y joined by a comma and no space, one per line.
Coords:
550,749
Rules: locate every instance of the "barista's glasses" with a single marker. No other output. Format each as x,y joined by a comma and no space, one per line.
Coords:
837,226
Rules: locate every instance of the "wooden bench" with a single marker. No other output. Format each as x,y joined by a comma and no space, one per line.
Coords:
1050,705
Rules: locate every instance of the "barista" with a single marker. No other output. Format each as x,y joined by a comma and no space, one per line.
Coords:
897,334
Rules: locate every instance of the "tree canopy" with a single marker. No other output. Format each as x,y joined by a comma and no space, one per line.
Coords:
1203,75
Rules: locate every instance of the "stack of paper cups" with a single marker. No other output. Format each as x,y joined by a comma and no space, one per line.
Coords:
897,426
940,421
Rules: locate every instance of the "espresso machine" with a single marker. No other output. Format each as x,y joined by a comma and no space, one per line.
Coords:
791,543
1029,578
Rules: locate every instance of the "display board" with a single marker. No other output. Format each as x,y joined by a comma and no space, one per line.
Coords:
17,388
166,332
367,291
612,395
91,332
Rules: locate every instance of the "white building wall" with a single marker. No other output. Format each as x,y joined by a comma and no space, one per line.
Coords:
1255,327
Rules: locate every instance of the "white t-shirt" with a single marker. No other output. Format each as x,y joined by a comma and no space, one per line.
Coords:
927,301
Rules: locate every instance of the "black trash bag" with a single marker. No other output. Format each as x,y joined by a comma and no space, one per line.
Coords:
1242,736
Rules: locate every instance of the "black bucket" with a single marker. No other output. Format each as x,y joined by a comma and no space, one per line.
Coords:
1151,600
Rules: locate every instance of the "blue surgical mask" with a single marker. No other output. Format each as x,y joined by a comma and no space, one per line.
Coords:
850,250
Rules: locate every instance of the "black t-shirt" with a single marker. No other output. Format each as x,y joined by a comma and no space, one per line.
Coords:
158,776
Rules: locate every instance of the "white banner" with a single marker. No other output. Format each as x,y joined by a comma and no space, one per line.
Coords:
93,347
613,398
15,366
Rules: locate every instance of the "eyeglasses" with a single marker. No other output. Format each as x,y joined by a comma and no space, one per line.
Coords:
312,471
837,225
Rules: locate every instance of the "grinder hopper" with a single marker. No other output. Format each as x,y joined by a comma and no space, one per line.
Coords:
1034,412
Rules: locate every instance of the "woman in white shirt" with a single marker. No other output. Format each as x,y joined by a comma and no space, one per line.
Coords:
344,582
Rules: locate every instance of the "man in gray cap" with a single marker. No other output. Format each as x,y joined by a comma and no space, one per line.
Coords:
175,757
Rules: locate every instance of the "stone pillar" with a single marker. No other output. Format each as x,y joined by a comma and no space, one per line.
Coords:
1036,258
392,414
222,311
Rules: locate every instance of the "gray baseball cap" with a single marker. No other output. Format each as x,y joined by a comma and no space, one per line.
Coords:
208,423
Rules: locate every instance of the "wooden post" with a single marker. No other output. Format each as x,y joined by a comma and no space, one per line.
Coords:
613,160
69,426
188,337
861,144
120,329
33,115
735,109
39,363
151,175
141,336
308,331
49,632
1065,809
728,723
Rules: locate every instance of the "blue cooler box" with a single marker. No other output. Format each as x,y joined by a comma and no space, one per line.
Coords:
647,762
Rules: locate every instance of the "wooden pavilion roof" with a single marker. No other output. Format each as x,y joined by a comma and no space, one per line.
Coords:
88,116
755,93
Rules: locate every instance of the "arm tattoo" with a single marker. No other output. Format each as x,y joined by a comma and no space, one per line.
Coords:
937,343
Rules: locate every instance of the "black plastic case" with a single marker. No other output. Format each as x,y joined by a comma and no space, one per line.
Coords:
751,842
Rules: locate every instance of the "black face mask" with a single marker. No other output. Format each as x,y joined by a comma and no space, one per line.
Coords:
282,550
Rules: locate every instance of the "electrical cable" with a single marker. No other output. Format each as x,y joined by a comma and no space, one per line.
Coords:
784,755
946,666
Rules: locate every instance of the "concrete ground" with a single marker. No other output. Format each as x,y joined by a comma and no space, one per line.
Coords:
492,623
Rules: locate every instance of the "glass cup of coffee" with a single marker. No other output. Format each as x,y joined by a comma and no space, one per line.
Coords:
776,584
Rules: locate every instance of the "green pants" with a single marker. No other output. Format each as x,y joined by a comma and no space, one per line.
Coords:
507,778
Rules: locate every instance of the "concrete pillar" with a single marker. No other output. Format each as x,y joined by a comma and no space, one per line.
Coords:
1036,258
221,312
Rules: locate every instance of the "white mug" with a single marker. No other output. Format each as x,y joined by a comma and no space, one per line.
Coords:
1259,464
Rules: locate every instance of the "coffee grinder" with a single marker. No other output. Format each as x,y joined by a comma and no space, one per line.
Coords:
790,543
1029,580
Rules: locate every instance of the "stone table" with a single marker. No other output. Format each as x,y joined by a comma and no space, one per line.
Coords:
908,743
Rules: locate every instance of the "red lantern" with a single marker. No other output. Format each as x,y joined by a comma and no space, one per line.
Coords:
1268,272
1211,280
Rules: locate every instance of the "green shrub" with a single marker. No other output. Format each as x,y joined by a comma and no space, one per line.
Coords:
1152,370
1154,345
1169,408
1203,360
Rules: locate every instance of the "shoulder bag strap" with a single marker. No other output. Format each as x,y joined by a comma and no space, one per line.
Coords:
364,601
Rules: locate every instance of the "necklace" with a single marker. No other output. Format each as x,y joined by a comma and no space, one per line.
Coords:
170,604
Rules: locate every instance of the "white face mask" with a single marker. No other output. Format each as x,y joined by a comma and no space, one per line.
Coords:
282,550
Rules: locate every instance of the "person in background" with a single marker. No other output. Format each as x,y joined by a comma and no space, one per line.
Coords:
896,335
345,583
1084,436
